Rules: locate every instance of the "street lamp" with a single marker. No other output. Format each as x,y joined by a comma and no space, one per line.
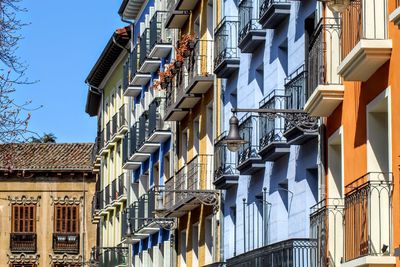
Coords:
128,234
233,140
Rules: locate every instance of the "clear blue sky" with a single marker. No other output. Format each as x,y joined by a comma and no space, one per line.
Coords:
61,45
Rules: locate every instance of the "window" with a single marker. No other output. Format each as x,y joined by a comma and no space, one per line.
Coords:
24,218
66,219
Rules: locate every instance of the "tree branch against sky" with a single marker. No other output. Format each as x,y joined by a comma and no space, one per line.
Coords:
14,117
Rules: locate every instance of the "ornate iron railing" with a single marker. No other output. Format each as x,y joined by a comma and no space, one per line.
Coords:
272,129
224,160
23,242
248,17
368,215
158,33
324,54
66,243
363,19
293,252
248,126
226,37
326,226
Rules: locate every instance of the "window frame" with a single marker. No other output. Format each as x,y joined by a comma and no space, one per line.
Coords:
27,223
65,222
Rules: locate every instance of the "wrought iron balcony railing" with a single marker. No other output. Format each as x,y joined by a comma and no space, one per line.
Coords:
112,256
249,25
224,164
122,116
97,204
226,38
156,114
114,124
191,181
23,242
108,132
144,46
125,75
107,196
293,252
363,19
121,186
368,216
327,226
133,63
66,243
324,55
272,129
248,130
143,129
158,33
296,90
114,192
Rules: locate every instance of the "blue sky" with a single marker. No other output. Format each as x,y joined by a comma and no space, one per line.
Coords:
60,46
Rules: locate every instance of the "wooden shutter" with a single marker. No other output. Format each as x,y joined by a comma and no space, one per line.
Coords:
24,218
66,219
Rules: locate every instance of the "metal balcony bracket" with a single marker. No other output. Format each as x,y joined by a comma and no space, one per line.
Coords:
168,224
296,118
206,197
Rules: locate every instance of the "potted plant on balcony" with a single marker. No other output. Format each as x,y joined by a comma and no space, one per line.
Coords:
179,60
188,41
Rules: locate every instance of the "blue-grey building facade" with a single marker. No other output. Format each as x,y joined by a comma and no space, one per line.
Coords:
269,185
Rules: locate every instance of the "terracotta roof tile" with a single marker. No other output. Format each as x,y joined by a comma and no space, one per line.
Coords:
46,157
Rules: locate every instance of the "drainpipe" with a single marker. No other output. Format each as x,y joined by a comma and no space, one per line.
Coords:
244,225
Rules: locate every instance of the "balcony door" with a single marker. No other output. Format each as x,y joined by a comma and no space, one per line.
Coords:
183,249
209,236
195,245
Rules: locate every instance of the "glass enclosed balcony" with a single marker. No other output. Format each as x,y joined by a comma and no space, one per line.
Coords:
249,161
273,13
225,173
325,88
226,59
365,44
272,144
296,90
251,35
66,243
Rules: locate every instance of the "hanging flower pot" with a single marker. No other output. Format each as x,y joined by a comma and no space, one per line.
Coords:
190,45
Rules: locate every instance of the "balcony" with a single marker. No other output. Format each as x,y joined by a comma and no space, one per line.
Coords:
364,42
23,243
325,86
177,17
147,64
272,144
137,139
138,79
160,37
129,148
251,35
193,79
368,221
112,256
191,187
273,12
298,252
326,226
249,161
108,198
226,59
159,131
225,173
132,89
296,90
66,243
121,197
97,206
143,146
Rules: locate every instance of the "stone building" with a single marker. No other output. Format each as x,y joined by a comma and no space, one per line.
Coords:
45,198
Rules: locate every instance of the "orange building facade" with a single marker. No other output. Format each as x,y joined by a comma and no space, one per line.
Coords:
357,221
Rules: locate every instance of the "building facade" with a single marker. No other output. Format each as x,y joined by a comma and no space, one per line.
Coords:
269,184
45,200
111,108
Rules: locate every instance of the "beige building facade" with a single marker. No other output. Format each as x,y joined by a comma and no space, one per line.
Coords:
46,191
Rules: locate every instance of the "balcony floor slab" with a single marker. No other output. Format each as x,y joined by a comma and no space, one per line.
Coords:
324,100
133,91
371,261
160,50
